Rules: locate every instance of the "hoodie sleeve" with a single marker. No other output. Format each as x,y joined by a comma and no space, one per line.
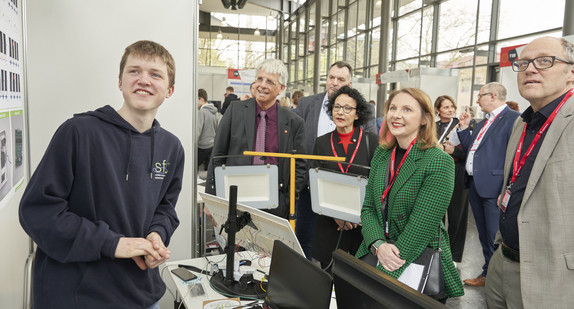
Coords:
165,220
45,211
199,125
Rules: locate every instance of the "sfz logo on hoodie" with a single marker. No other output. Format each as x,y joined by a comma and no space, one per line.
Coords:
160,169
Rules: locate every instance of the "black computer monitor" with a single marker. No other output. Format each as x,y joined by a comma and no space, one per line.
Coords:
360,285
295,282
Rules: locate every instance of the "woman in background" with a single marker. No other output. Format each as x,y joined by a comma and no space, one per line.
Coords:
295,97
457,213
420,184
348,110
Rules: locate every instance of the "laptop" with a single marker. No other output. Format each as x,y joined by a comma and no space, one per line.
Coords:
295,282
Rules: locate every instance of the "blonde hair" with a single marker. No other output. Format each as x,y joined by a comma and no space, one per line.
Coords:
427,132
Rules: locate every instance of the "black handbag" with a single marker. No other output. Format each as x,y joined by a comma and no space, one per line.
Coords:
432,279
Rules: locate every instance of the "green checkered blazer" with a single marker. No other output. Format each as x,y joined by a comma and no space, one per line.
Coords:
417,204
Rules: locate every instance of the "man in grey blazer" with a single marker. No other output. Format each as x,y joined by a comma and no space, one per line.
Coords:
284,132
533,266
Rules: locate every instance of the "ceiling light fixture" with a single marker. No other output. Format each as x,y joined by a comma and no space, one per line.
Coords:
257,33
220,35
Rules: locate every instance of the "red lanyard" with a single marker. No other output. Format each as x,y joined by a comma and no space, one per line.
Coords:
354,153
519,163
485,127
392,167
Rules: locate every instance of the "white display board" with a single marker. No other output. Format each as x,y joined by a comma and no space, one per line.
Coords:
337,195
258,184
257,237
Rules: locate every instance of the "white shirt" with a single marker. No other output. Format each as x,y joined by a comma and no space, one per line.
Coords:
490,119
325,123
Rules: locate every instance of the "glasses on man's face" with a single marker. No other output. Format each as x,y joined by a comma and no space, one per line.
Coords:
480,95
543,62
346,109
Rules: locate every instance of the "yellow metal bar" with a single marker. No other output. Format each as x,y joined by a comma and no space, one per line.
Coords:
292,195
292,171
296,156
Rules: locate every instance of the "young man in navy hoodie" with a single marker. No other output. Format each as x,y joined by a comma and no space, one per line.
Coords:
101,203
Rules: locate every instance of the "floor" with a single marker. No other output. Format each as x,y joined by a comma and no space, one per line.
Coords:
470,267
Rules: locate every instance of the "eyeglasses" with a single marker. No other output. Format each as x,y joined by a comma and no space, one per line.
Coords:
347,109
480,95
543,62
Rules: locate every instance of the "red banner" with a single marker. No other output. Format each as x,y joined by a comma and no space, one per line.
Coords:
508,54
233,74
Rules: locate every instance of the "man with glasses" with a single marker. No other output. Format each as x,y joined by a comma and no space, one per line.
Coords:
260,121
485,147
533,266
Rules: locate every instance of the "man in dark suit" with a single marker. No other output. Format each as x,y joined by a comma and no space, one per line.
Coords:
486,148
284,133
313,110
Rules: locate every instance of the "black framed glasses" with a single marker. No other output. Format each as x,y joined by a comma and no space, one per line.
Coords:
346,109
543,62
480,95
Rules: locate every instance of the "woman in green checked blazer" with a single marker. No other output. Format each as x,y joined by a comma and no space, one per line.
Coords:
421,182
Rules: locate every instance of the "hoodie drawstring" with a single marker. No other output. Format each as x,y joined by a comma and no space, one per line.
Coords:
152,151
129,155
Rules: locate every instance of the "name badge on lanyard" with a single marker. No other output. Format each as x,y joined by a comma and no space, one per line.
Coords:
519,162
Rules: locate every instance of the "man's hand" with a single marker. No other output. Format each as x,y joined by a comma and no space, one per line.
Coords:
135,248
151,260
465,118
448,147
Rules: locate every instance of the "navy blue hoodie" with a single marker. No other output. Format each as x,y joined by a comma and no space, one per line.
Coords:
100,179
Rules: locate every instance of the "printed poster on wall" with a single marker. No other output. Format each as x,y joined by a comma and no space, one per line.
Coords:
11,100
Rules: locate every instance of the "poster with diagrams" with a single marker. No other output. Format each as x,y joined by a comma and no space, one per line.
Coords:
11,99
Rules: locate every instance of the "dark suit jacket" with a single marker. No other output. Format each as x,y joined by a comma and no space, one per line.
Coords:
236,134
309,109
228,99
326,234
488,165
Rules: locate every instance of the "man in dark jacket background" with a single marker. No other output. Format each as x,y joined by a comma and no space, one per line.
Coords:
229,97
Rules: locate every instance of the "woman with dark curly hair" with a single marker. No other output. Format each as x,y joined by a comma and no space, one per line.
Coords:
349,110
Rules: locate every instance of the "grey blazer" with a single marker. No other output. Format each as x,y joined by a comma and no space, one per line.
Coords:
236,133
546,217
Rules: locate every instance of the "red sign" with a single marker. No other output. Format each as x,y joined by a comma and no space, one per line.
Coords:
233,74
508,54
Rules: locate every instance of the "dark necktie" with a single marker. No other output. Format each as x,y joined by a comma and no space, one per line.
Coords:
260,138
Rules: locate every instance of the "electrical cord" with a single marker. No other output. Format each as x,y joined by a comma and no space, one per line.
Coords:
336,247
161,275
